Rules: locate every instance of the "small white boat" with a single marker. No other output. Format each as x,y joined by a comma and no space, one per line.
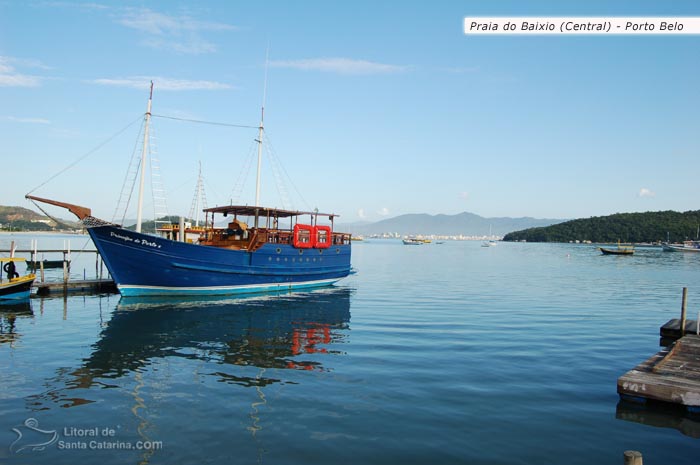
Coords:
686,246
413,241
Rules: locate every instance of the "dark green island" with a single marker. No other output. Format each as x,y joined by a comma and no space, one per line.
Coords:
648,227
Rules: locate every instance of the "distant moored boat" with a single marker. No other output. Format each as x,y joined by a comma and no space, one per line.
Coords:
686,246
413,241
619,250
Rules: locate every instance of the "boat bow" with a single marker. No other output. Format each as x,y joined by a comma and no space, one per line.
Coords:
81,212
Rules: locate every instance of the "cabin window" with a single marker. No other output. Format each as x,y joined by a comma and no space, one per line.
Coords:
303,236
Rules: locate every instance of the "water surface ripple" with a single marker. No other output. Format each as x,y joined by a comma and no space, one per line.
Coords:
449,353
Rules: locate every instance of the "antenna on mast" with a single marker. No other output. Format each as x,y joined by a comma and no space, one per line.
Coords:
260,132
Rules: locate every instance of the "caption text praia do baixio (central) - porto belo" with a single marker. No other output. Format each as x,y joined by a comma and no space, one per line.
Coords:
581,25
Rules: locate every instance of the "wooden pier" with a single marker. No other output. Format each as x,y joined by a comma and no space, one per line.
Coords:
66,285
672,329
77,286
671,376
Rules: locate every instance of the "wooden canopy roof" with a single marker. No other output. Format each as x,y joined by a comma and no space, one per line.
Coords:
246,210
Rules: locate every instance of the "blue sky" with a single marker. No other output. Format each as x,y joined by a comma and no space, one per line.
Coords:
374,109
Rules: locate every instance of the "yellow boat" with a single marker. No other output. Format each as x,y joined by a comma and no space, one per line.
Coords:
14,287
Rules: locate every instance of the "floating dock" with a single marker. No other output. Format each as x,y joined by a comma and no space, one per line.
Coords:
670,376
672,329
78,286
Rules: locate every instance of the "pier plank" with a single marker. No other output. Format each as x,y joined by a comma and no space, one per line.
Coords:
671,375
672,328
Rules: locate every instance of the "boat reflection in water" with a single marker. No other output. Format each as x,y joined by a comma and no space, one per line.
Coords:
289,331
9,312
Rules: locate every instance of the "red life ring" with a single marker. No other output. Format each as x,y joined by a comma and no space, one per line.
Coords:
322,237
303,236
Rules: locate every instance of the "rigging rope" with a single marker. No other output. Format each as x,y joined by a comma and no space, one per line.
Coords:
239,185
272,152
95,149
213,123
53,218
130,170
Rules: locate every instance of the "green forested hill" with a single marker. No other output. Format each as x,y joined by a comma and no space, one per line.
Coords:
625,227
23,219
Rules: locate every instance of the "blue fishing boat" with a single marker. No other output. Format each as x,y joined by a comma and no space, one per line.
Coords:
278,251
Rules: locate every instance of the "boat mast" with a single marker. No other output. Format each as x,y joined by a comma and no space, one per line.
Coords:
260,133
198,194
139,211
259,141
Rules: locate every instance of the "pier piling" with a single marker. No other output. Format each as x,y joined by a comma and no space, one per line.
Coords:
684,304
632,457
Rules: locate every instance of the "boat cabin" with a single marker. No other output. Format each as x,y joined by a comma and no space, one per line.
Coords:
269,225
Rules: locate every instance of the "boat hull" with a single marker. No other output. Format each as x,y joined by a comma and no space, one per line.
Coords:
17,289
680,248
143,265
620,251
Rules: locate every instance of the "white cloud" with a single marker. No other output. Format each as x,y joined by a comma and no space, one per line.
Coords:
161,83
644,192
78,5
21,62
339,65
16,119
179,33
182,34
383,211
10,77
152,22
464,195
19,80
361,213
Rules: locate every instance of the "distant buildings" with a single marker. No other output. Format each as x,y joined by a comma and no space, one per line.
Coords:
440,237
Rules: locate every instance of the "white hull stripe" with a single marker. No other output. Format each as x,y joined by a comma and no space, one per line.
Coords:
131,289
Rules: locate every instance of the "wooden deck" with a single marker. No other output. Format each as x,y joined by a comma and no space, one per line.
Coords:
671,376
672,329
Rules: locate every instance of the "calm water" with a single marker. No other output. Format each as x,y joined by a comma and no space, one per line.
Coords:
448,353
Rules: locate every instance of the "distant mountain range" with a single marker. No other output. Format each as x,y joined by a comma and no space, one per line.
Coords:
467,224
